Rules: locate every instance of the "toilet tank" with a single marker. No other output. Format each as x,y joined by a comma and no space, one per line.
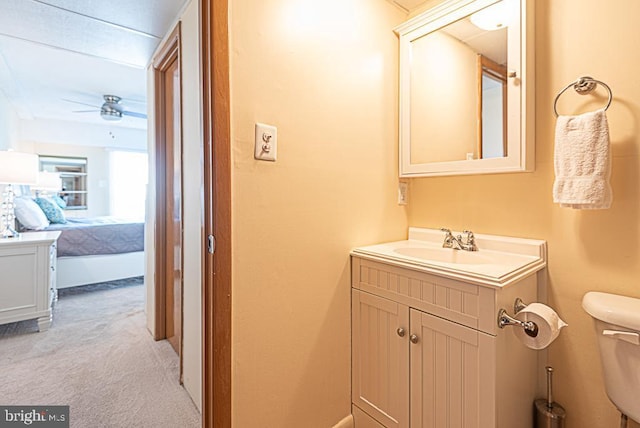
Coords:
617,324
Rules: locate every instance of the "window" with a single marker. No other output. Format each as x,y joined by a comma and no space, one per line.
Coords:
128,184
73,173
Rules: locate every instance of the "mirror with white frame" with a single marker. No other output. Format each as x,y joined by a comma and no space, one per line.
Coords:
466,89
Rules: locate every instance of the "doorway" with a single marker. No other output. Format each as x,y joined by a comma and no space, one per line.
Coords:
169,225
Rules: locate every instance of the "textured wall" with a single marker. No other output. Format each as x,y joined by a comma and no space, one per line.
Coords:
325,73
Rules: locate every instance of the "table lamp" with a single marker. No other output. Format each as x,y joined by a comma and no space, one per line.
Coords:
48,182
15,168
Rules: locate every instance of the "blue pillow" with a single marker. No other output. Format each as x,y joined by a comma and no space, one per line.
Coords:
53,212
58,200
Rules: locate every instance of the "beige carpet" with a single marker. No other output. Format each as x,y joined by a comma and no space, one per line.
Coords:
99,359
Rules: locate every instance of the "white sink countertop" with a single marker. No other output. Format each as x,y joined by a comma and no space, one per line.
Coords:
499,261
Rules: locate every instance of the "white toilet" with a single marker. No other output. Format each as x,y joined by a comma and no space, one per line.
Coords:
617,322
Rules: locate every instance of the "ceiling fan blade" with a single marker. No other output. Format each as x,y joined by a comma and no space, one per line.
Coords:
134,114
78,102
85,111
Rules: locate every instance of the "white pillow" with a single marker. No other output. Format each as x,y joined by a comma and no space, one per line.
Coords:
29,214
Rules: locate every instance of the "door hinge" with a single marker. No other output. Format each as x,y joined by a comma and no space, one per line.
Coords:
211,244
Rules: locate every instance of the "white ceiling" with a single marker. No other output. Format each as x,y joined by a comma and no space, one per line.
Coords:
409,5
492,44
53,52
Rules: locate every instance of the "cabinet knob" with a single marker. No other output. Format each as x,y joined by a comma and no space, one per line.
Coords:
413,338
400,331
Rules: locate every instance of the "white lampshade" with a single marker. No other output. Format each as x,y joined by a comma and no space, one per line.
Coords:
18,168
49,181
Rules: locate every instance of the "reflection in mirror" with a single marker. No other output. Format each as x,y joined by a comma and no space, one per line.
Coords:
492,108
450,100
466,89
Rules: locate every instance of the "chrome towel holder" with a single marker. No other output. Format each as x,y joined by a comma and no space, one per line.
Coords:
583,86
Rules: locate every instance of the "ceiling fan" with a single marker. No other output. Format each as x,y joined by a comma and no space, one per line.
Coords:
111,109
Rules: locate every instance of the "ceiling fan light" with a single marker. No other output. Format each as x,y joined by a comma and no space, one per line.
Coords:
491,18
111,114
111,99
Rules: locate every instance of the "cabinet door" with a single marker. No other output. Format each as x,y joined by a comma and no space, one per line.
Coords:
452,375
380,361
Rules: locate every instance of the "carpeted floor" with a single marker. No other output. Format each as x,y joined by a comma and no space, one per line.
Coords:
98,358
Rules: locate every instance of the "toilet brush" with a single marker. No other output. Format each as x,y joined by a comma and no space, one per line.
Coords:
549,414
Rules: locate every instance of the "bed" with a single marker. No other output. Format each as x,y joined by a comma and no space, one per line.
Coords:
90,250
99,249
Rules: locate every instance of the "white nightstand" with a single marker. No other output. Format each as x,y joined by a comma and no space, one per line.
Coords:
28,277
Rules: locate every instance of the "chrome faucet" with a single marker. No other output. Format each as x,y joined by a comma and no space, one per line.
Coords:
470,242
450,241
457,242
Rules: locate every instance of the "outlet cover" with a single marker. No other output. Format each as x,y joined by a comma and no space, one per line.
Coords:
403,193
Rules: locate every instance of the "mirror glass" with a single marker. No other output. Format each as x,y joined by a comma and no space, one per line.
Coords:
492,108
461,89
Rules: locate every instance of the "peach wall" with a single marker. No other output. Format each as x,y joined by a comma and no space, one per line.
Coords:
325,73
588,250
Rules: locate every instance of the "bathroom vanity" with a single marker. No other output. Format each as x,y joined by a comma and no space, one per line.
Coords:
426,347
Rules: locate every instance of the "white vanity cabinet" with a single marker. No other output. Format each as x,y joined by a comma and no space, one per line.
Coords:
427,351
27,284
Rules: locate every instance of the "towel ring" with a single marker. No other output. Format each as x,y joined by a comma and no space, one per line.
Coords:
583,86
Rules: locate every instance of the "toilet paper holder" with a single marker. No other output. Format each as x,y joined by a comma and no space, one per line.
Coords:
504,319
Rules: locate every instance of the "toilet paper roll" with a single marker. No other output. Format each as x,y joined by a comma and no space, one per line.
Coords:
548,322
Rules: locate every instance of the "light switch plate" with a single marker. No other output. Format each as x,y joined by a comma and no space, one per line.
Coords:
266,140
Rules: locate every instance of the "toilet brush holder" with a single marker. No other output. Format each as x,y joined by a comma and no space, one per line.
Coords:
549,414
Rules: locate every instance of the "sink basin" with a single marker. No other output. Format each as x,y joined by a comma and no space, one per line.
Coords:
499,260
445,255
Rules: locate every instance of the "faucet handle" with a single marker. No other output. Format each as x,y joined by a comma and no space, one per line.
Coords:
449,239
471,240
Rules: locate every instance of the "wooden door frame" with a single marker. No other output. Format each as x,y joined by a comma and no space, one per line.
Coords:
216,274
169,53
497,72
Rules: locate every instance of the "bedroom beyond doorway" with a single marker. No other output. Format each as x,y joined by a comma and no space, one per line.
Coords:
99,359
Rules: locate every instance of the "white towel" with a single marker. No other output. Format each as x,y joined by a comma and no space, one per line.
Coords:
582,161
